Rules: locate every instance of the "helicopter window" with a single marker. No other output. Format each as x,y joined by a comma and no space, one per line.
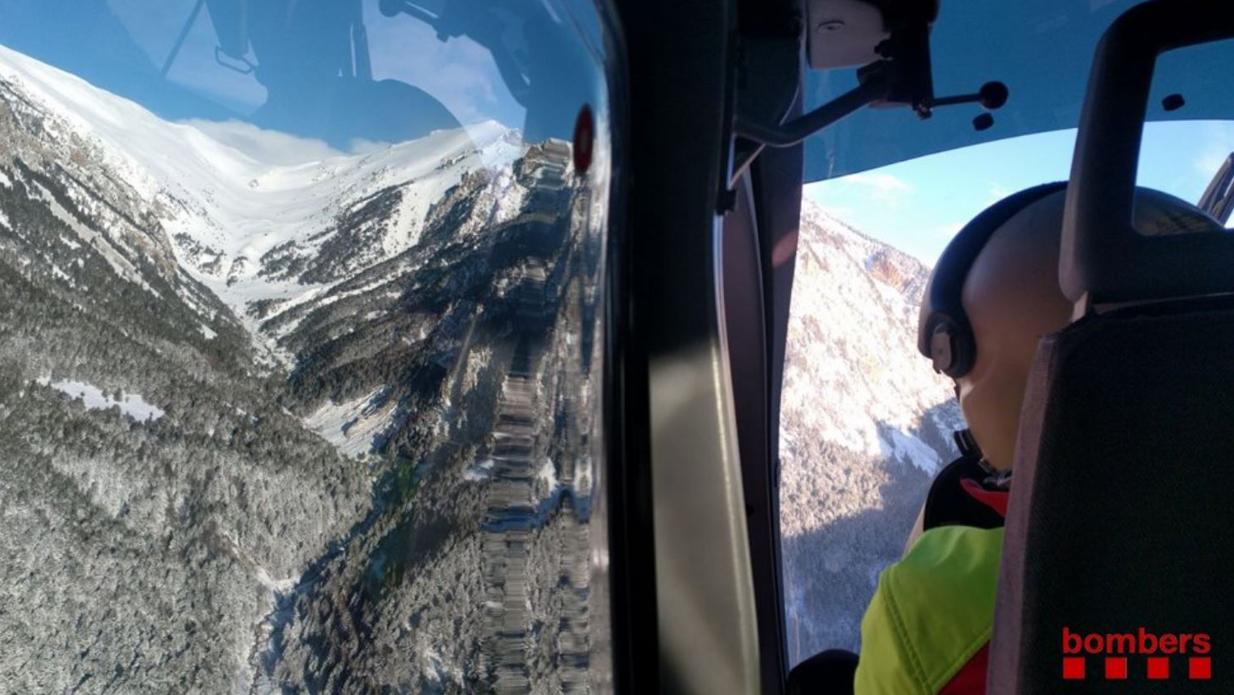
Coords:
301,340
1187,83
865,422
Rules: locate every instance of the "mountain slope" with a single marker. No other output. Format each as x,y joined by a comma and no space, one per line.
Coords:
140,544
857,461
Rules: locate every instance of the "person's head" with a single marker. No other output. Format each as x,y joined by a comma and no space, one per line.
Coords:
995,292
1011,297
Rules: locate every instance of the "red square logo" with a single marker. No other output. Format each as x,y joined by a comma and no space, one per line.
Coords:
1073,668
1116,668
1158,668
1199,668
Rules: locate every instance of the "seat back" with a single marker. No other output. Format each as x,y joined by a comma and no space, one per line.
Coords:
1122,509
1119,548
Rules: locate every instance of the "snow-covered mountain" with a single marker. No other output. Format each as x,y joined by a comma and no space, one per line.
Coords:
251,214
273,414
865,423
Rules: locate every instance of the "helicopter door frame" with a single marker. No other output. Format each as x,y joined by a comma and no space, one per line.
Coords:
684,603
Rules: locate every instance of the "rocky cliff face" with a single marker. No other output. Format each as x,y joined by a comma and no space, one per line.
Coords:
865,424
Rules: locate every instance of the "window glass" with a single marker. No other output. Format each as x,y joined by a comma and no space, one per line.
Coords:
865,422
1194,161
301,344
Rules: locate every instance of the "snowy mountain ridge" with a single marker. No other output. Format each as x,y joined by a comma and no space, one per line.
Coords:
241,225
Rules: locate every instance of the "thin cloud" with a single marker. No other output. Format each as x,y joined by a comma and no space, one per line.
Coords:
881,188
1208,163
947,231
996,193
266,146
880,182
1218,145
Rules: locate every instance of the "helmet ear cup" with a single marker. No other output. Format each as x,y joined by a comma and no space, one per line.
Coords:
952,348
943,332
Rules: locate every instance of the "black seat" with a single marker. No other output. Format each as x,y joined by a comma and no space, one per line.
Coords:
1122,509
1120,533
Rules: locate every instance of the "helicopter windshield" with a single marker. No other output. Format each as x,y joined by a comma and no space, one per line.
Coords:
1040,49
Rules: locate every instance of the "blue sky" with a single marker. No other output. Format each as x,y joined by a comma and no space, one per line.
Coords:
919,204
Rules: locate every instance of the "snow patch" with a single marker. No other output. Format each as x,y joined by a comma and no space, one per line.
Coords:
548,474
130,404
353,426
479,472
278,586
897,445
